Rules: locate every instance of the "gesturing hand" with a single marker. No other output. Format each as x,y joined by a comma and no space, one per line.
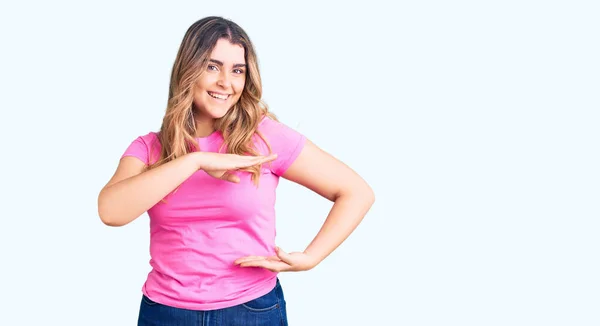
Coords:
283,262
218,165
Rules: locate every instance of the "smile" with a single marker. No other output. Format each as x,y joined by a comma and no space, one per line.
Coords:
218,95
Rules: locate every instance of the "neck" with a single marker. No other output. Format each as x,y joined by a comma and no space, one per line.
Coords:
204,127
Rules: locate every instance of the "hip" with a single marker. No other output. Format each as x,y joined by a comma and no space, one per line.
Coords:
266,310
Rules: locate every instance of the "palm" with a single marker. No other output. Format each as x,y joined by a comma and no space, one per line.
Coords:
219,174
282,262
218,165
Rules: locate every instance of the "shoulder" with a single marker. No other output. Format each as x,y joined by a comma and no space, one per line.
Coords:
282,140
271,127
150,138
267,123
145,147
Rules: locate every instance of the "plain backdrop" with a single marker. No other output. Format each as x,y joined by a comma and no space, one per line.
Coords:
475,122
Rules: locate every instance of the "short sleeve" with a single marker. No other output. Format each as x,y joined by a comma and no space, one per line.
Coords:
144,148
286,142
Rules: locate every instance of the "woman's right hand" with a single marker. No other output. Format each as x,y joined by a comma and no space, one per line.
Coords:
218,165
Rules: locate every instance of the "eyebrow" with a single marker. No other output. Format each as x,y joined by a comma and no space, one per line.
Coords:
237,65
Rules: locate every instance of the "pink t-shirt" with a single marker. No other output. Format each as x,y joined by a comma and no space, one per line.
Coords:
204,226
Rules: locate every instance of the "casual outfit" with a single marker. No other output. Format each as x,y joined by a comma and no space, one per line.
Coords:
203,226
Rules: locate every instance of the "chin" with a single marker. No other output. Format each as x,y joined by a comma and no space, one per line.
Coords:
218,113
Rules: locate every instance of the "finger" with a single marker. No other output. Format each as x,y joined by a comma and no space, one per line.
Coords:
254,160
253,258
247,161
261,158
274,258
266,159
251,157
269,158
284,256
275,266
248,258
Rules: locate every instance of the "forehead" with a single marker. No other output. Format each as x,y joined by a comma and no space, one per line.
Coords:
228,53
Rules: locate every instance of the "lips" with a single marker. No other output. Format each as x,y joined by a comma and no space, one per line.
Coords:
219,96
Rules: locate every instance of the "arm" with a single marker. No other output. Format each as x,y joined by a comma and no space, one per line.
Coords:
352,196
131,191
332,179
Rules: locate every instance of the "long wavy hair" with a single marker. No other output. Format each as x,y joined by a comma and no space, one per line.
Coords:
239,125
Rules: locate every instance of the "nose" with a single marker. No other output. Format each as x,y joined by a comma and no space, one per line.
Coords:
224,80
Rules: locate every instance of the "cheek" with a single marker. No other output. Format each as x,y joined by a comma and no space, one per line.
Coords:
199,90
206,82
199,96
238,85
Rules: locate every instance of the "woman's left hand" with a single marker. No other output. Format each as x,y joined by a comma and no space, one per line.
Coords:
283,262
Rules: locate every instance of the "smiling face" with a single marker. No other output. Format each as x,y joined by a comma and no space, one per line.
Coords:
221,85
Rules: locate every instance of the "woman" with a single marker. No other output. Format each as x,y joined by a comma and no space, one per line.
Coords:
208,179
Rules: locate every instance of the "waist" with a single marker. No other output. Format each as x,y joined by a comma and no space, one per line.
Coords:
204,287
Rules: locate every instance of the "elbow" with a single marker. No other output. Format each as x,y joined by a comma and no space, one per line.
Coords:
363,193
106,215
108,219
366,194
110,222
369,195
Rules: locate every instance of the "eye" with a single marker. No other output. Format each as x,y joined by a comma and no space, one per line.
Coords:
212,67
238,71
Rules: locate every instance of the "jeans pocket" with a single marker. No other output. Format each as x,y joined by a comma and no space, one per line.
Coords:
267,302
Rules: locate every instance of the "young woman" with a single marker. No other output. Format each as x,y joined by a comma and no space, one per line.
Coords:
208,179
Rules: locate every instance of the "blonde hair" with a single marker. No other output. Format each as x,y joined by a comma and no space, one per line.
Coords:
239,124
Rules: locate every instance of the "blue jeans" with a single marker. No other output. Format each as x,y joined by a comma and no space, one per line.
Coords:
268,310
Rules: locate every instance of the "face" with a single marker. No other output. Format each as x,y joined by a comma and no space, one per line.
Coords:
221,85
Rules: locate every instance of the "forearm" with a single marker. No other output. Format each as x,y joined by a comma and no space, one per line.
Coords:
123,202
347,212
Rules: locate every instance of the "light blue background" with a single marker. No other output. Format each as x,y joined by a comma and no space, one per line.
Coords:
476,123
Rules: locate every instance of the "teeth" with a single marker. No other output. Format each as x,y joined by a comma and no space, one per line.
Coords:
219,96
